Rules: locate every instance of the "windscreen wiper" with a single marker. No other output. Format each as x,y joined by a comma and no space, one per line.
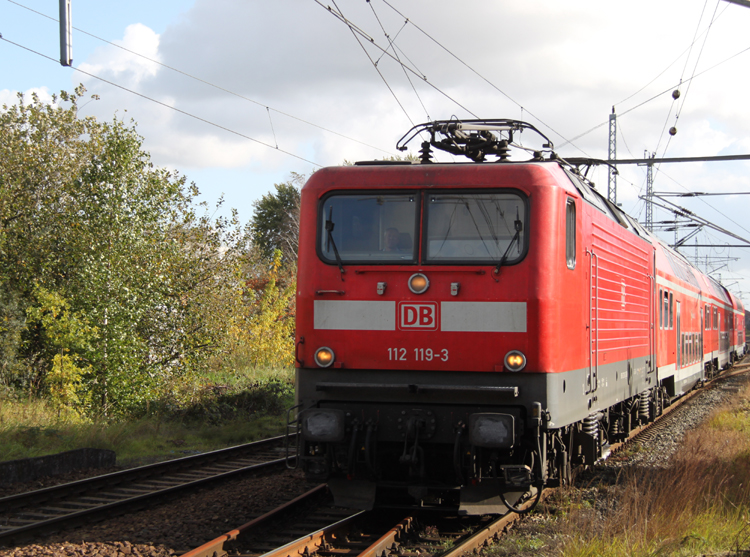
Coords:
518,225
330,242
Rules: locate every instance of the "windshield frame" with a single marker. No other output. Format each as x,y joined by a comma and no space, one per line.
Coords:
524,235
415,232
421,224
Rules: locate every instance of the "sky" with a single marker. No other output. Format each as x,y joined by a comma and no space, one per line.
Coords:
238,96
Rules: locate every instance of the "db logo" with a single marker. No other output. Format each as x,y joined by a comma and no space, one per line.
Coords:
418,316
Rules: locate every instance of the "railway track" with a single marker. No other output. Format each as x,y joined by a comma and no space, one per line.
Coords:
26,515
299,530
310,525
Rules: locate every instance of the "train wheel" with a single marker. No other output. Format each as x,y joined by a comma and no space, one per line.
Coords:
563,468
658,406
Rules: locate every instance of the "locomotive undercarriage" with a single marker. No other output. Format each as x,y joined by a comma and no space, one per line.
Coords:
457,455
430,453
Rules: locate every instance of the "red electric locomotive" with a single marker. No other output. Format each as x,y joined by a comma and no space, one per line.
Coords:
469,332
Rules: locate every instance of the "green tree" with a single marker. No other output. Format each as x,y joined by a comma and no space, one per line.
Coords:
275,221
87,217
64,339
264,331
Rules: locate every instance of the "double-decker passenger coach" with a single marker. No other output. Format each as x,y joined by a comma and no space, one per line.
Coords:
469,332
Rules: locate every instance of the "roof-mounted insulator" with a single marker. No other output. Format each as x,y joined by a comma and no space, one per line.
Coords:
425,153
503,151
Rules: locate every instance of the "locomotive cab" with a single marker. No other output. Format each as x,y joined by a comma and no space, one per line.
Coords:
422,291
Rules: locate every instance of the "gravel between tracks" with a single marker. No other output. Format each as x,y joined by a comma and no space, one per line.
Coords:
175,526
658,450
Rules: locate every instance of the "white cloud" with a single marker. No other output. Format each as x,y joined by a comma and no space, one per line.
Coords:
564,65
8,97
121,66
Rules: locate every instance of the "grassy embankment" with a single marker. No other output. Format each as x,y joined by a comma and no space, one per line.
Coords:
222,410
700,505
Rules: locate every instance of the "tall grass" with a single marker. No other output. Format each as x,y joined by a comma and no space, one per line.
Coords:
698,505
211,412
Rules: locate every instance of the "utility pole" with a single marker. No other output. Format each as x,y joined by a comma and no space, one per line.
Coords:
612,155
66,33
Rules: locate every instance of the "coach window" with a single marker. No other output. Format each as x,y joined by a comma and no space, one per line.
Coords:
368,228
570,234
665,309
707,320
661,309
475,227
671,315
716,319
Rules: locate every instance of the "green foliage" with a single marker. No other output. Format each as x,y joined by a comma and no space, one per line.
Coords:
12,325
275,222
265,333
96,243
65,385
63,342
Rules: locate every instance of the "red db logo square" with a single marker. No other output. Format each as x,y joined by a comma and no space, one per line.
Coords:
422,316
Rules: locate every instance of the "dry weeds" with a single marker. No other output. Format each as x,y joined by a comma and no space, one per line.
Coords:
699,505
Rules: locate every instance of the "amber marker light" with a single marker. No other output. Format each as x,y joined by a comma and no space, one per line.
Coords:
515,360
418,283
324,356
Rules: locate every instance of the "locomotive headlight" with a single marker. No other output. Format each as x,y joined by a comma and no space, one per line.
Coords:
515,360
323,425
494,431
418,283
324,356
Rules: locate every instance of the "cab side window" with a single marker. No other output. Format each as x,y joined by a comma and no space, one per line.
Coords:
570,234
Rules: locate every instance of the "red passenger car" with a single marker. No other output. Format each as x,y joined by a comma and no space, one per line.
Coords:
468,332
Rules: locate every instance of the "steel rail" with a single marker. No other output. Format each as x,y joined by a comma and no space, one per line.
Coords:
311,543
484,536
120,490
216,546
107,480
386,544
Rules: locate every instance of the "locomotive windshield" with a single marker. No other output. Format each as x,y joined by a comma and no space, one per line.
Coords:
369,228
458,227
486,227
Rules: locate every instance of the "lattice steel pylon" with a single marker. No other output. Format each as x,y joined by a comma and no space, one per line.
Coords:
649,192
612,155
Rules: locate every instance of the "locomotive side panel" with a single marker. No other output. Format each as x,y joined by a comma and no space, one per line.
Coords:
616,285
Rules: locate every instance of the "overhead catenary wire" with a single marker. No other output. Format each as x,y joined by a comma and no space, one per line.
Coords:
657,95
391,43
205,82
151,99
377,69
681,104
270,121
479,75
661,73
681,211
706,203
355,29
